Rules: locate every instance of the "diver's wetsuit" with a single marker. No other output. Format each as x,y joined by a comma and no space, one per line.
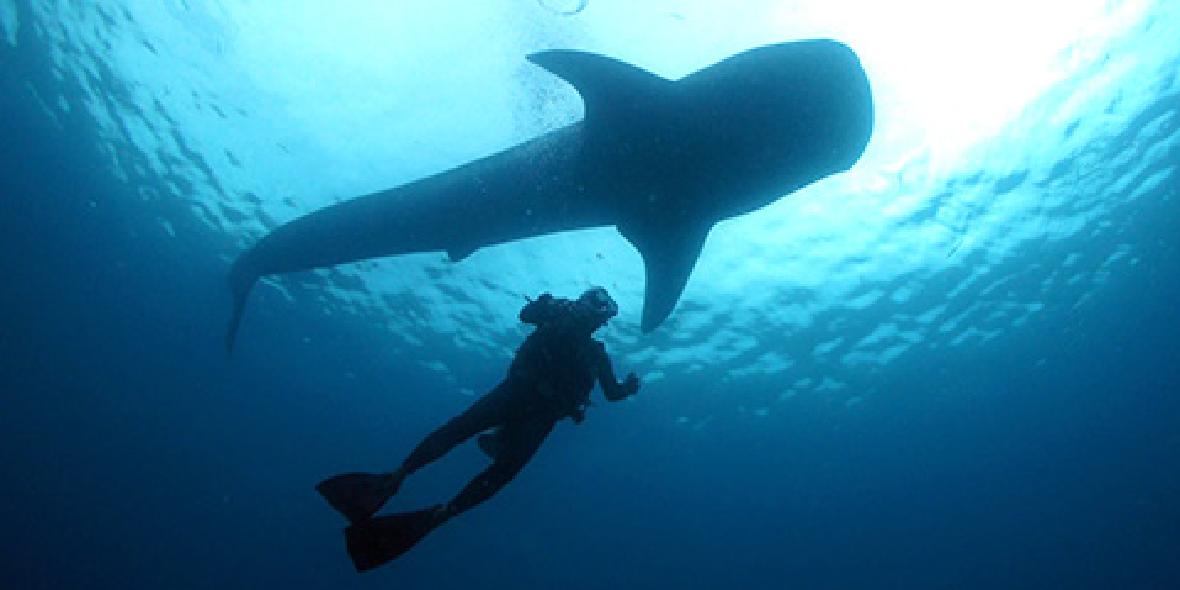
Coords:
550,378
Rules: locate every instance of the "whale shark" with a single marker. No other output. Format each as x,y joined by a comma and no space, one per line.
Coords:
660,160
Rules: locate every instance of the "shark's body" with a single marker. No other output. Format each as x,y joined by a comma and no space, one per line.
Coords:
661,160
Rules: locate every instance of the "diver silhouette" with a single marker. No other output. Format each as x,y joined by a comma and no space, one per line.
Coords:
550,379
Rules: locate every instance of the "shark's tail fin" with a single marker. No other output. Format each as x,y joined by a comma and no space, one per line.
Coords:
241,280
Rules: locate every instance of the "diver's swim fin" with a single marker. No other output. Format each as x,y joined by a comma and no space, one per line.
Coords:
377,541
358,495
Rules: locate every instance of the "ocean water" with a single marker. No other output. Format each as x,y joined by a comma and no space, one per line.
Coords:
953,366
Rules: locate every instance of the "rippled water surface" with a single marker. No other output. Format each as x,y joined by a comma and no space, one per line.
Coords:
992,195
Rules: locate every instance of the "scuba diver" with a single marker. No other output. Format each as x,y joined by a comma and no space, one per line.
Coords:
550,379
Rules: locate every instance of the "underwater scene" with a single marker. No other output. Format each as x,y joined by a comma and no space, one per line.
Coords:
589,294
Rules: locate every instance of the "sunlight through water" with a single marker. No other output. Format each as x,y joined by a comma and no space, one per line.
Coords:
993,192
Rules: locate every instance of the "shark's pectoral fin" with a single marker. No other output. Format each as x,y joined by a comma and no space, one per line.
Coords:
613,91
669,254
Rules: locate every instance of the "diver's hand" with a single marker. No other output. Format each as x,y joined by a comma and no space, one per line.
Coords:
630,385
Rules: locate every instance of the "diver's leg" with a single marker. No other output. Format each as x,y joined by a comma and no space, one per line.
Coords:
490,411
359,495
520,442
374,541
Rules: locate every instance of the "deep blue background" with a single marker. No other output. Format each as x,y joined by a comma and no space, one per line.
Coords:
133,454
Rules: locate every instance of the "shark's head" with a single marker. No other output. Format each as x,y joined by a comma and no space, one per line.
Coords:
805,111
814,91
674,157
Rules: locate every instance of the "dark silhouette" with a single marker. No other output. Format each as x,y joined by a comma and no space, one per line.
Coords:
661,160
550,379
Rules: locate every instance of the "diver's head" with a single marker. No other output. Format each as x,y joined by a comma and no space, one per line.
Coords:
596,307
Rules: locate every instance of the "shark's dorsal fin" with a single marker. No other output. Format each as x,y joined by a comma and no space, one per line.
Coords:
612,91
669,252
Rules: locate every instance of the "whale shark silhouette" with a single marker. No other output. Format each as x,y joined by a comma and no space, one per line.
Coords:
661,160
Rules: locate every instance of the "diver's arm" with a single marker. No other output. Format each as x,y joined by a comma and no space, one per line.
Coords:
611,388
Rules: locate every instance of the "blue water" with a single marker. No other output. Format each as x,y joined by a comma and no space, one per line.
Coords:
961,375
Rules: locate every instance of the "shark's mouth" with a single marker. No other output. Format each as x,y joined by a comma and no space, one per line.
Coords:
999,191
